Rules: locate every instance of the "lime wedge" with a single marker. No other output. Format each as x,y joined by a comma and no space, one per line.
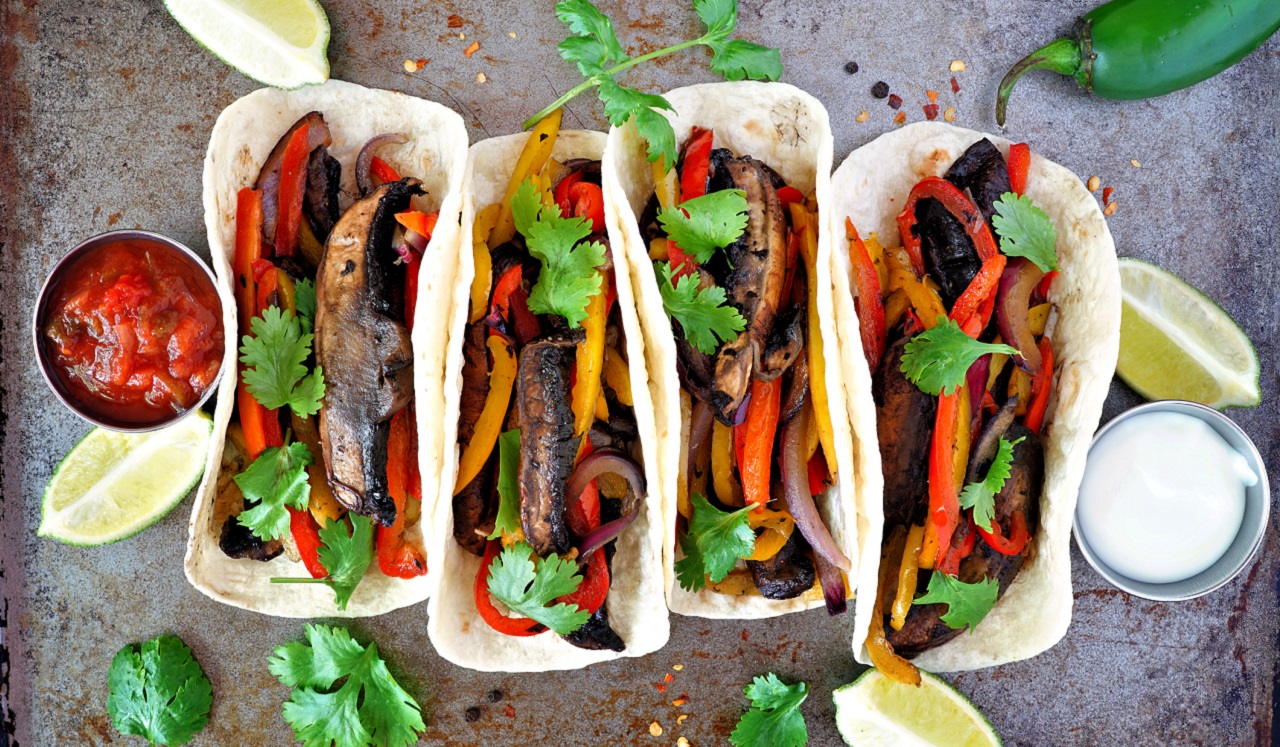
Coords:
875,711
113,485
1176,343
281,43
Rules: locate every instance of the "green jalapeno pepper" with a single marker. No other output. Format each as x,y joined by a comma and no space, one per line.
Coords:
1136,49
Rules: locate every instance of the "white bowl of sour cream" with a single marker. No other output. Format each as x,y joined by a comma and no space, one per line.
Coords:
1174,501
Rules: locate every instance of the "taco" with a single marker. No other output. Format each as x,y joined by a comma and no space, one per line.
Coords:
548,545
323,434
734,296
979,285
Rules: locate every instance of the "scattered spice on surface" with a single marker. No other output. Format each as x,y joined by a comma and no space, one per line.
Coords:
900,118
933,96
682,742
494,696
472,715
746,635
1094,183
462,36
862,116
455,21
851,67
668,677
930,112
475,45
684,698
880,90
655,729
1111,209
677,667
509,712
955,85
950,114
1106,195
957,66
1135,163
511,34
895,101
681,718
410,66
660,687
480,78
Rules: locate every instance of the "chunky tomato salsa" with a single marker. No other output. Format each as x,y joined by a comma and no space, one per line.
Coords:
135,331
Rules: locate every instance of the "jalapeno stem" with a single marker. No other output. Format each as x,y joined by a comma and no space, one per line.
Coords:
1061,56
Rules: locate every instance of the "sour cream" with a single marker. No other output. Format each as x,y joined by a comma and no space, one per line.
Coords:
1163,497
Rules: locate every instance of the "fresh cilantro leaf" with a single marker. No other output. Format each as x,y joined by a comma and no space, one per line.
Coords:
719,16
774,719
569,278
967,604
368,708
737,59
707,223
622,103
274,356
158,691
304,298
594,45
346,556
656,130
981,496
938,359
508,519
277,478
703,315
1025,230
713,543
588,54
526,590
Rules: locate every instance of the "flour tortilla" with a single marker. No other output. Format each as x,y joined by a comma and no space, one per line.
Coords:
635,604
870,187
242,138
787,129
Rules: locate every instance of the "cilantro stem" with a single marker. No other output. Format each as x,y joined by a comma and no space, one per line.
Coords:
295,580
597,79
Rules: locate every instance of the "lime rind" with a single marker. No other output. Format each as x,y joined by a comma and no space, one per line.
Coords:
875,711
286,66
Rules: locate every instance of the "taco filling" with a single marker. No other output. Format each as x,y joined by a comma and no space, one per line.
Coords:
734,250
953,326
549,474
320,461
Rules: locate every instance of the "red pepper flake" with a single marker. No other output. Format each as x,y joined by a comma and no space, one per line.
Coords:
661,688
668,678
455,21
900,118
955,85
895,101
1106,196
475,45
933,96
745,635
931,111
509,712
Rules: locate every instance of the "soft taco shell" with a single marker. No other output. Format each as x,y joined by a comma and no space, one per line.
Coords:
789,130
870,187
635,604
435,153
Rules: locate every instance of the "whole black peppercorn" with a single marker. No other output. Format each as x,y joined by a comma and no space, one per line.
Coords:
851,67
880,90
472,715
495,696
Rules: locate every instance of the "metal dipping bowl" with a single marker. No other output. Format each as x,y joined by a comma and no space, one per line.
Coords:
44,353
1253,528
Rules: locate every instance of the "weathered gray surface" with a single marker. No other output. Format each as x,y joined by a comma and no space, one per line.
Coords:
105,109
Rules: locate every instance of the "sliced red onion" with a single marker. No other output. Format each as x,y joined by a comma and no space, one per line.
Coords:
602,462
700,422
985,450
795,483
269,177
604,534
976,379
1013,301
797,393
832,582
740,416
365,159
416,240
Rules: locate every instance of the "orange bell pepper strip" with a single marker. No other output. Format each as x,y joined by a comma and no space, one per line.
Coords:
800,216
306,535
399,557
537,149
1019,165
981,290
868,303
248,249
293,186
944,504
908,573
502,378
590,360
759,431
1040,387
418,221
956,203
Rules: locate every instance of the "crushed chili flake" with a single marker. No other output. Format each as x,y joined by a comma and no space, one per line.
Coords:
955,85
660,688
681,718
895,101
746,635
933,96
511,34
509,712
900,118
950,114
957,66
480,78
1094,183
677,667
410,66
455,21
655,729
475,45
931,112
682,742
679,702
1135,163
1106,195
1111,209
668,678
862,116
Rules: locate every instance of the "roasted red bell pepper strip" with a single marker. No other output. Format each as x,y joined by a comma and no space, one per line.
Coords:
588,202
507,284
382,171
410,293
268,282
526,322
594,588
981,290
293,185
561,192
789,194
418,221
950,563
306,535
1014,543
818,473
1046,283
582,512
760,429
869,302
1019,165
399,557
697,164
261,426
248,249
944,505
515,626
956,203
1041,386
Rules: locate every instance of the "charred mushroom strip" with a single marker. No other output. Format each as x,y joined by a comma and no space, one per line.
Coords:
475,379
596,634
320,203
785,344
364,350
904,420
981,171
547,444
474,509
787,574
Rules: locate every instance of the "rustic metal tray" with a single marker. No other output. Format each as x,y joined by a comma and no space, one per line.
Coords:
105,110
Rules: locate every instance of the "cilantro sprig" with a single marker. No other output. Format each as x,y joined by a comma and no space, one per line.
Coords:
304,298
1025,230
713,543
774,719
704,224
703,314
528,589
508,519
569,278
981,496
938,359
274,356
967,604
275,480
368,707
346,557
594,48
158,691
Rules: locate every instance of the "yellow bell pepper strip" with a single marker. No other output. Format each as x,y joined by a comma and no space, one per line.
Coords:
502,378
1020,385
895,308
777,526
682,482
537,149
737,584
961,437
924,299
617,375
1038,318
907,576
485,220
666,183
759,431
590,361
602,408
728,491
882,654
801,219
311,247
658,250
876,251
322,503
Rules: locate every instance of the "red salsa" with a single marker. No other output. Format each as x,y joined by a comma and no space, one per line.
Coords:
134,331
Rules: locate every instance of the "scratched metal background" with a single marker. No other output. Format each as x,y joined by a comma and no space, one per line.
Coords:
105,110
